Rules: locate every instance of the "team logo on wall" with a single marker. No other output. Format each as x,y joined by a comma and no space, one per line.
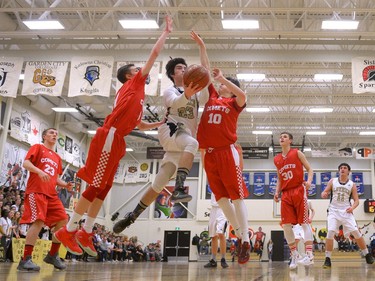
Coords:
43,77
92,73
363,75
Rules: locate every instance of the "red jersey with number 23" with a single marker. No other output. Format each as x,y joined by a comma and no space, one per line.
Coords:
218,125
290,169
48,161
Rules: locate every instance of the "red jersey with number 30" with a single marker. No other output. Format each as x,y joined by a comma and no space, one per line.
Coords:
48,161
290,169
218,125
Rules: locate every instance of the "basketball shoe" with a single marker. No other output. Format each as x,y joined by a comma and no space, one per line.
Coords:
244,255
179,196
124,223
28,265
210,264
55,261
369,259
84,239
68,239
327,263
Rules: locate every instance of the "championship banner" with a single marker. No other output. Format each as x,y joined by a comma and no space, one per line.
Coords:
60,145
324,179
10,71
273,182
151,87
120,173
363,75
41,249
44,78
365,153
131,171
312,190
357,178
76,154
90,77
259,183
143,171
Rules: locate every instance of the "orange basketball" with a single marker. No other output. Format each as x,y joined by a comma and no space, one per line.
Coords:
197,74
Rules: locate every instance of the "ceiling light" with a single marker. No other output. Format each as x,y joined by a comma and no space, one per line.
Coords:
139,24
321,110
373,111
328,77
307,149
251,76
200,109
129,149
257,109
43,24
368,133
339,24
64,109
262,132
316,133
91,132
151,132
240,24
22,76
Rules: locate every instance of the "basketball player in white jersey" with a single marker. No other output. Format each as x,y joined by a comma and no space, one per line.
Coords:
340,212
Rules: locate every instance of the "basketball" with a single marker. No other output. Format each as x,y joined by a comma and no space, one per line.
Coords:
197,74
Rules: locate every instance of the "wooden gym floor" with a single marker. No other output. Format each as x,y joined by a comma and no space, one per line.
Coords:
342,269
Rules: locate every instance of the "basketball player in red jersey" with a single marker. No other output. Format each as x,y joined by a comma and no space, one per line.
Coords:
42,204
294,207
217,135
108,147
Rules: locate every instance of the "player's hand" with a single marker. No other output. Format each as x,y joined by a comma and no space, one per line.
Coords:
324,194
69,185
276,197
196,38
307,185
168,24
191,90
349,210
43,176
217,74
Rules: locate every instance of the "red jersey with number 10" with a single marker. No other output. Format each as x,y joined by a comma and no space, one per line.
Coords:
48,161
290,169
218,125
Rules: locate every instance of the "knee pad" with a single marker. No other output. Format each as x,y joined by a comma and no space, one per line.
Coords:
192,146
308,235
330,234
289,234
356,234
89,193
164,175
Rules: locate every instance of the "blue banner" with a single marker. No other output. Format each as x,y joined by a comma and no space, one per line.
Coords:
357,178
246,179
324,179
259,183
312,189
273,182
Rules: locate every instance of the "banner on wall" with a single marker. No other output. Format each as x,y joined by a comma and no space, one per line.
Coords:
259,183
255,152
120,173
131,171
312,190
246,179
357,178
10,71
143,171
273,183
363,76
165,209
44,78
12,172
151,87
365,153
91,76
346,152
324,179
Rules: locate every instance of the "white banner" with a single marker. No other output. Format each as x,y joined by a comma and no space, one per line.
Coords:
143,171
151,87
365,153
10,70
90,77
44,78
120,173
131,171
332,152
363,75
